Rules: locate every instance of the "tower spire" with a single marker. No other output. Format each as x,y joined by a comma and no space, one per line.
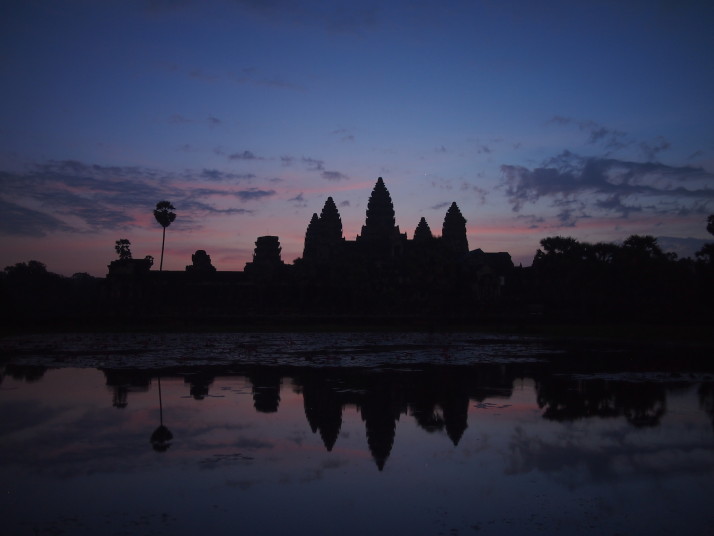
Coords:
422,232
312,238
453,232
330,222
379,233
380,214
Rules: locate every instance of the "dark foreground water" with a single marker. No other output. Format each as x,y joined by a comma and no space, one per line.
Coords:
352,434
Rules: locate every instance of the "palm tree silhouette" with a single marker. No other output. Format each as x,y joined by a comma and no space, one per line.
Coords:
161,437
165,217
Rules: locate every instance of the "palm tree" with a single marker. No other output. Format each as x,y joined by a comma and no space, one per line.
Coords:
165,217
161,437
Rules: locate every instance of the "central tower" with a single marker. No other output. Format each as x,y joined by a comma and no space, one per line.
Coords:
380,236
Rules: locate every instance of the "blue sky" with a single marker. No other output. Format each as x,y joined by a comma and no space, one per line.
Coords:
586,119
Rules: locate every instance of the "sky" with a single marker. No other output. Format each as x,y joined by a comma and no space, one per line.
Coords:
591,119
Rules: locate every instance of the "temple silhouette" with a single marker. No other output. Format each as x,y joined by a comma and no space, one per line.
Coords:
381,278
437,398
380,272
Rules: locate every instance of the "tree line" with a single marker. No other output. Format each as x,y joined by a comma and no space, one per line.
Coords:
633,280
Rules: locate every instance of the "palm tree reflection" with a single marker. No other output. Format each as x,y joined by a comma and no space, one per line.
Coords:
162,436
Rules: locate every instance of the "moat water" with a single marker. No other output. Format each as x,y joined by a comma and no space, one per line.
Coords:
352,434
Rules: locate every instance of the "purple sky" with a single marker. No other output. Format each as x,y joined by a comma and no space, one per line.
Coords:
586,119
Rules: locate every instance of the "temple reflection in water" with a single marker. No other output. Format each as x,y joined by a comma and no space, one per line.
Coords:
436,397
563,446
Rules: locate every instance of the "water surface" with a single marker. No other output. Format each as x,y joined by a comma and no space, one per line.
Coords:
350,434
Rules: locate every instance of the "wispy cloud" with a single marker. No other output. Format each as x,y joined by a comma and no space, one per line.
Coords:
444,184
334,176
63,196
343,134
245,155
22,221
180,119
252,194
532,221
310,163
314,164
73,196
339,18
219,176
298,200
481,193
611,139
200,74
254,76
200,207
650,150
246,76
483,149
608,185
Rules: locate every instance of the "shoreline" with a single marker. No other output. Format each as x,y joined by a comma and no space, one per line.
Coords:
700,334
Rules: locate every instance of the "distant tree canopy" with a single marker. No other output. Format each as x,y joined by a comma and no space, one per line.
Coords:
29,269
645,247
706,253
635,247
634,278
28,291
123,249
